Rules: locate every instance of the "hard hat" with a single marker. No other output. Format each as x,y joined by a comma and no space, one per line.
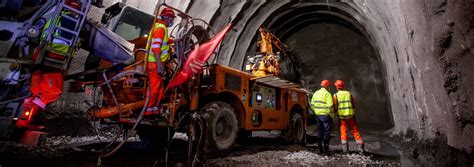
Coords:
325,83
339,84
73,3
168,12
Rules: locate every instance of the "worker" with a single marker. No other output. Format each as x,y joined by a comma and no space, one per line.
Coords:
47,82
159,56
344,103
322,105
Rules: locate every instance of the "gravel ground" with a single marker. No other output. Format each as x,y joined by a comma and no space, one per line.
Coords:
298,156
256,151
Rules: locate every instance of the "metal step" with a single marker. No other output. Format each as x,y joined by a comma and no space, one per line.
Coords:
78,19
54,60
61,38
70,18
69,31
72,9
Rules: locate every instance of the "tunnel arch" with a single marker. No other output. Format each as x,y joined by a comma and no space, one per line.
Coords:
291,18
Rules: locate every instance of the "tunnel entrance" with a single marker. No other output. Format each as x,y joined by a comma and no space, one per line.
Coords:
332,45
331,51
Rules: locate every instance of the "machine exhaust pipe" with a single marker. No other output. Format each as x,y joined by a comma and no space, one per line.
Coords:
112,111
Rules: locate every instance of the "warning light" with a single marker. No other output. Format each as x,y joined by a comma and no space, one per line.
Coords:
27,113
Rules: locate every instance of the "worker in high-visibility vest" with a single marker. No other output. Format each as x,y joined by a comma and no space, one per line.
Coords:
47,82
344,103
158,56
322,105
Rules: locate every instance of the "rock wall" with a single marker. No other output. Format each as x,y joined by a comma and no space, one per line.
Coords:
425,50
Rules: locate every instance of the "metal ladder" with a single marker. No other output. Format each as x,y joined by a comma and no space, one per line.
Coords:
73,33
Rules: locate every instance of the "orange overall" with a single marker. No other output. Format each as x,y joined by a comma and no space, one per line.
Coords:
344,104
155,68
47,83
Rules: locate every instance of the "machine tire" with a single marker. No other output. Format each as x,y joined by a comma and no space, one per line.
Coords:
295,132
154,137
222,125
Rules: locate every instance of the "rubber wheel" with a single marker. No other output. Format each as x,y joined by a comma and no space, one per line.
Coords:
222,125
295,132
154,137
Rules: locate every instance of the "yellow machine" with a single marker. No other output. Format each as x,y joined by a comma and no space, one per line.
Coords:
267,62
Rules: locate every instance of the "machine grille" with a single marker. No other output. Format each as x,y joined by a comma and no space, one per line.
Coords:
232,82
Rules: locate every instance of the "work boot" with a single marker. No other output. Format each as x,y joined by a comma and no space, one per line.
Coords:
345,148
360,148
320,147
326,148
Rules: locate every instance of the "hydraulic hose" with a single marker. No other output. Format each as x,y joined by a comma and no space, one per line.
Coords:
16,99
140,117
202,126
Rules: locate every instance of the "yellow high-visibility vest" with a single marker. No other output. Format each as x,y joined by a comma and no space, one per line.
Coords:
322,103
344,101
165,56
57,45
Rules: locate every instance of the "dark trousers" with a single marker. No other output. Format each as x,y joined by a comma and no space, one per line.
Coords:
324,127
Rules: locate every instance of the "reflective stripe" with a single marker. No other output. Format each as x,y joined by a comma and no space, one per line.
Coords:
58,46
164,46
157,40
154,46
344,101
344,107
39,103
321,103
359,141
322,107
59,41
318,101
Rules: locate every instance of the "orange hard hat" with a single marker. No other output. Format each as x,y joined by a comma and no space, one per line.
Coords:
339,84
325,83
168,12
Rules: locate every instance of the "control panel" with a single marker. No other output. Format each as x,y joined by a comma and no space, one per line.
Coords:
264,97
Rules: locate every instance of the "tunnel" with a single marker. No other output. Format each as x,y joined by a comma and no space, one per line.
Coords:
330,44
407,63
